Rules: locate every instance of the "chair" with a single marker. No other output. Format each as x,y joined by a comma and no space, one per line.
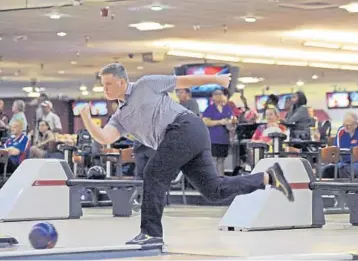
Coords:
354,159
4,158
329,156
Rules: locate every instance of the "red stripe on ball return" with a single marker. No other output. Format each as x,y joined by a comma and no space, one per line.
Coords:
48,183
299,186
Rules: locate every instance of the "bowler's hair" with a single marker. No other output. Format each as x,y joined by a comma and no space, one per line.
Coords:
116,69
20,104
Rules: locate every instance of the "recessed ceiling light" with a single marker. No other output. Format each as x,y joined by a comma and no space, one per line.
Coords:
156,8
73,62
150,26
61,72
140,67
85,93
33,94
250,79
55,16
351,8
61,34
300,83
250,19
28,89
97,88
83,87
314,77
240,86
0,38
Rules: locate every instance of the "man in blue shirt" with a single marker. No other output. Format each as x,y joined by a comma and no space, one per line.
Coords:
16,146
347,138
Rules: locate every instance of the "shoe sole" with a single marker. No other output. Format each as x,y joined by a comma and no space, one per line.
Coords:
283,182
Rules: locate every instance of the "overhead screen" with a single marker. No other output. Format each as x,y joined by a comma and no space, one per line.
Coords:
208,69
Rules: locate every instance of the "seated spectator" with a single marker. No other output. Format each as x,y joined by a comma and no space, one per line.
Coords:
16,146
18,109
347,138
299,116
272,125
50,117
45,142
217,117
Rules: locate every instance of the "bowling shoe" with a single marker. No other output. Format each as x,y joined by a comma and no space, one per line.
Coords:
143,239
279,182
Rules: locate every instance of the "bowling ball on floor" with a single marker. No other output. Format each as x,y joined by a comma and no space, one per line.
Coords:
43,236
96,172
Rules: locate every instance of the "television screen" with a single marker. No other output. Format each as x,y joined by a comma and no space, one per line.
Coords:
337,100
203,103
98,108
354,99
77,106
260,102
206,70
283,100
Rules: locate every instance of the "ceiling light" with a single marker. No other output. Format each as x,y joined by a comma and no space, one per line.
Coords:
33,94
250,19
150,26
250,79
292,63
186,54
83,87
0,38
314,77
97,88
240,86
324,65
325,35
85,93
140,67
73,62
349,67
322,45
351,8
28,89
156,8
61,72
349,48
222,58
61,34
55,16
262,61
300,83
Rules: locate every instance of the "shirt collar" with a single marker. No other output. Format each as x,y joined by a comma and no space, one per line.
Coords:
126,96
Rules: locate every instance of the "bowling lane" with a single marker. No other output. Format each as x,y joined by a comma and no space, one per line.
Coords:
193,232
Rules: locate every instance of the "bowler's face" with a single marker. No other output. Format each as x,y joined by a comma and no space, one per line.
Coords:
113,86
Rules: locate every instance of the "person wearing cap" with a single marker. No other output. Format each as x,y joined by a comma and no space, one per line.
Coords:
49,116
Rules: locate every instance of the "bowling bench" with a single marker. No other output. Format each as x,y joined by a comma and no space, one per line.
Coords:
44,189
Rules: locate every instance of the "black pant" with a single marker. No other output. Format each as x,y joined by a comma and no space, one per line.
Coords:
187,147
141,157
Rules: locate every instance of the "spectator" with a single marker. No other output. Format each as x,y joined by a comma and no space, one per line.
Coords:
45,143
16,145
184,96
272,102
299,116
347,138
39,112
50,117
217,116
272,125
18,109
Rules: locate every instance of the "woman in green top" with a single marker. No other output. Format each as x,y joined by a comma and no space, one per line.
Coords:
18,109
